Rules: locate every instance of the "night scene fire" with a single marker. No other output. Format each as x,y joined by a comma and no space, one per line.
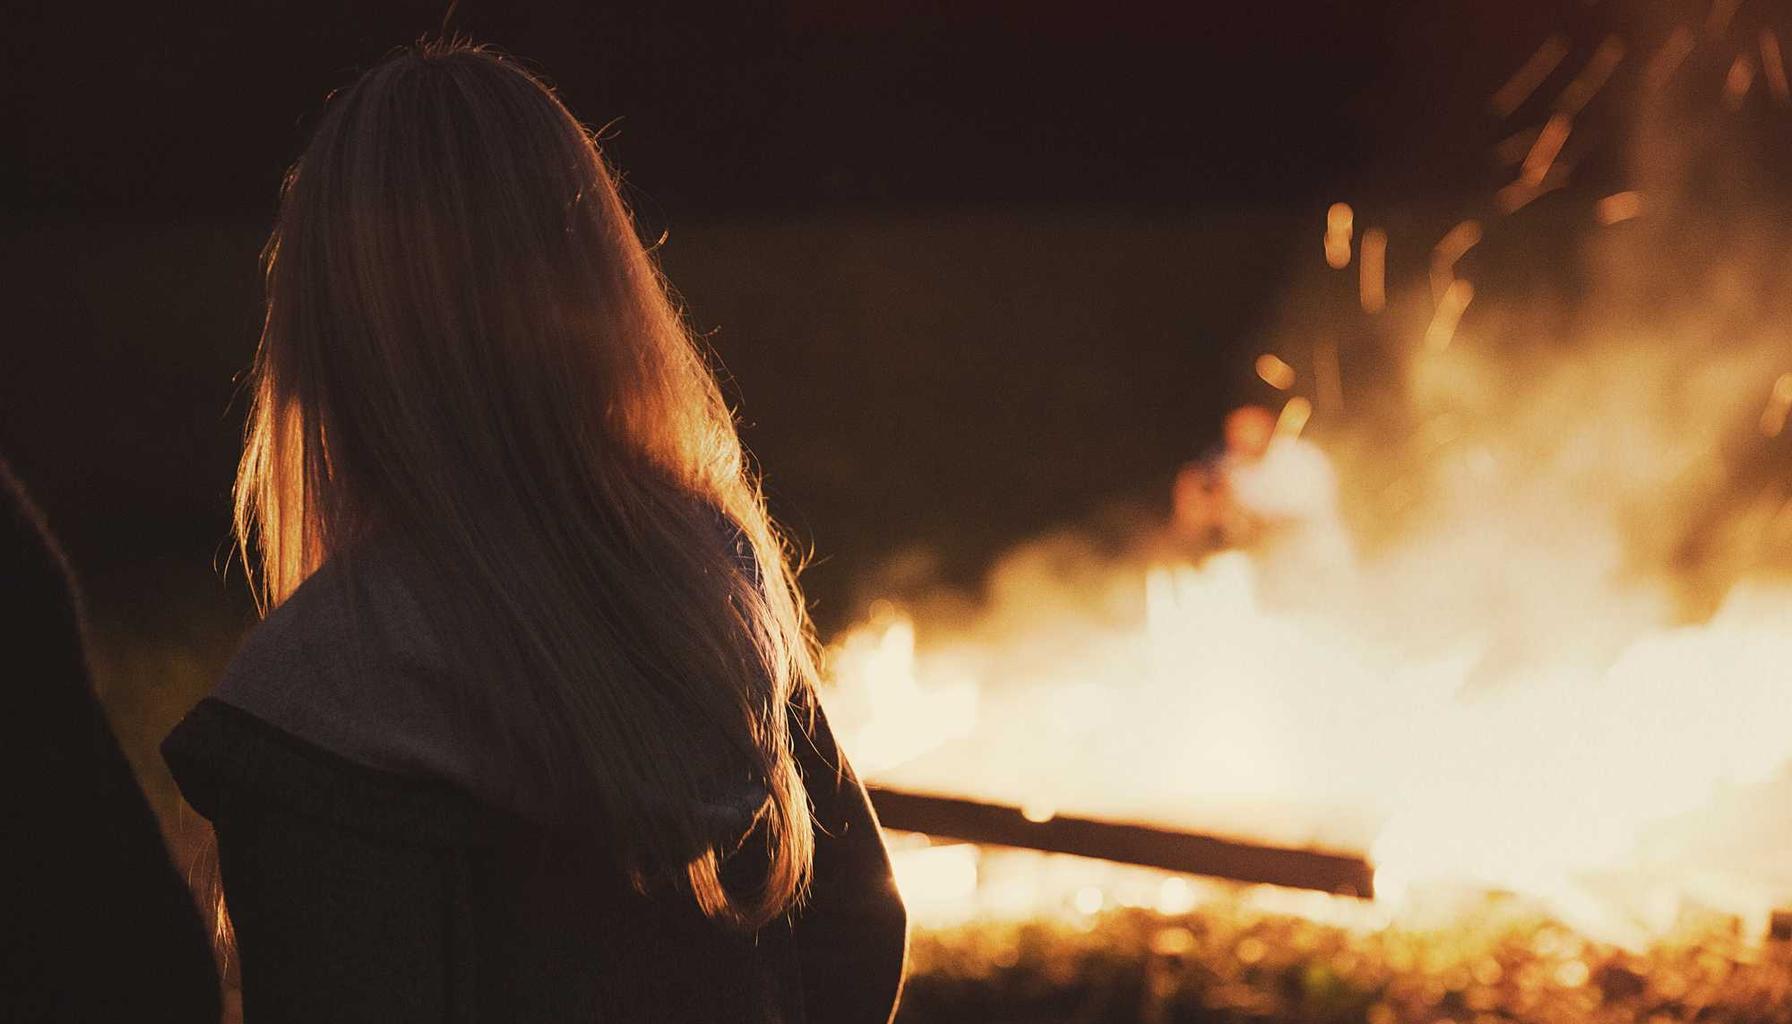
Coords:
1030,514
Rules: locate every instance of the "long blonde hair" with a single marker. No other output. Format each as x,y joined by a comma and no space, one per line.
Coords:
467,347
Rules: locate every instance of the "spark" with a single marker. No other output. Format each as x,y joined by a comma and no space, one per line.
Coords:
1667,60
1339,222
1449,249
1275,371
1774,66
1510,96
1779,405
1450,307
1372,281
1293,419
1545,150
1737,82
1618,207
1592,77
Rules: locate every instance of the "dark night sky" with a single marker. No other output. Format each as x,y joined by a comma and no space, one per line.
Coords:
147,143
193,109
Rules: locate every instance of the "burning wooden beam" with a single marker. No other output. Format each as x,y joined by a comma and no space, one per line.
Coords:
1186,852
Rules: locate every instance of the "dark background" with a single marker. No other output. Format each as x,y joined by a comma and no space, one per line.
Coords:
975,268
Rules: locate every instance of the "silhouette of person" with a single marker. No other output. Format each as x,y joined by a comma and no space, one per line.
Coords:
95,923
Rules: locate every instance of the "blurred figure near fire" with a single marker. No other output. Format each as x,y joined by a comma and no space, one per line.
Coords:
1274,494
1207,516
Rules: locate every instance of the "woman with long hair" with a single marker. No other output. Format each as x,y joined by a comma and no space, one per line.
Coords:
529,731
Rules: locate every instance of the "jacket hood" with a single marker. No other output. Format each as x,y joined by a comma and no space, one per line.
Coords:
351,663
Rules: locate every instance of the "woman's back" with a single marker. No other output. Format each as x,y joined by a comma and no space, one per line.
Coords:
530,731
384,857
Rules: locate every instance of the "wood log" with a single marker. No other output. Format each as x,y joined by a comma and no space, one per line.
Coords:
1170,850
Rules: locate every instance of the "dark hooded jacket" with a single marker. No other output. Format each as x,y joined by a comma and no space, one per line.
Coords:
385,856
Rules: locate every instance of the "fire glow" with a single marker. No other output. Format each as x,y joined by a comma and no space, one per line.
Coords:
1486,660
1488,702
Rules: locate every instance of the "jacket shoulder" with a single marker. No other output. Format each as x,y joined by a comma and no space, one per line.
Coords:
350,663
228,762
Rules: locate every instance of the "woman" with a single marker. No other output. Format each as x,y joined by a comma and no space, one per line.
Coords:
530,733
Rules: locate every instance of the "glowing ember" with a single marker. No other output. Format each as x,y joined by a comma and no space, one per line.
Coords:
1718,21
1737,82
1372,282
1529,76
1667,60
1618,207
1773,64
1518,195
1545,150
1295,414
1779,403
1450,307
1452,247
1592,78
1275,372
1339,224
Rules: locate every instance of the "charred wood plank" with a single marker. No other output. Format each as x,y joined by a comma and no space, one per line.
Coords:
1186,852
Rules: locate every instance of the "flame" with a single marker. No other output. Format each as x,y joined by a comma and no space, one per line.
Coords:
1521,623
1201,706
1494,695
